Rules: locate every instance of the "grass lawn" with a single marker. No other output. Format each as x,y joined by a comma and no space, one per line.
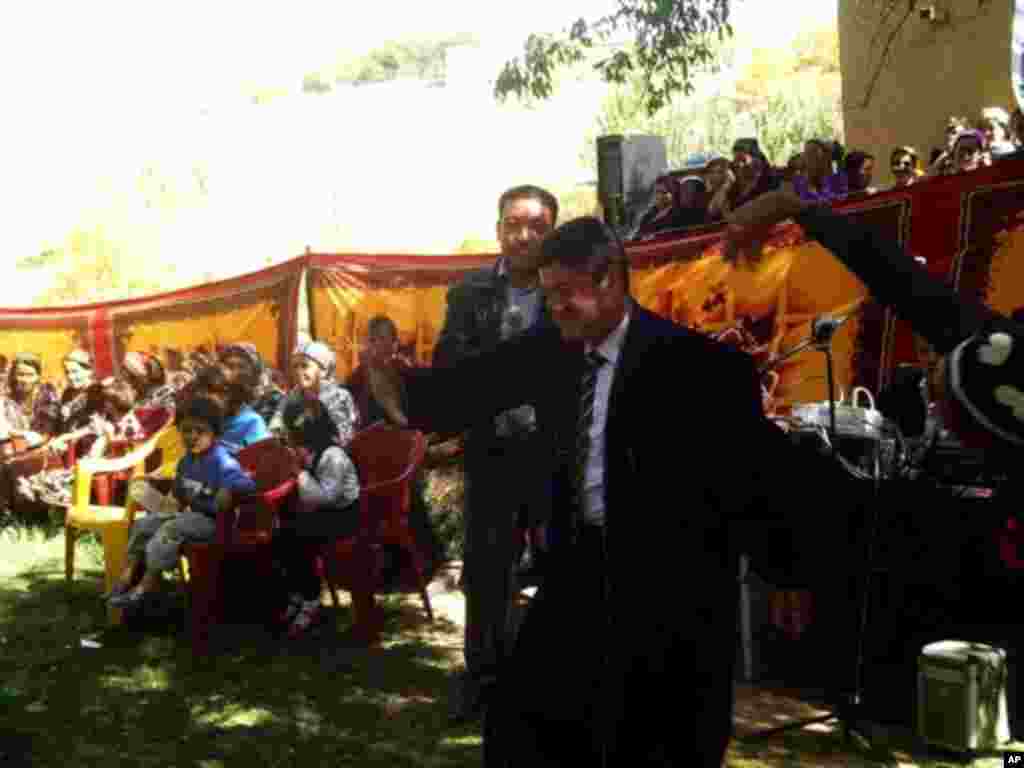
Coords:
139,698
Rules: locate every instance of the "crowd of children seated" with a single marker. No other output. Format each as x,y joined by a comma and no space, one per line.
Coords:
221,402
823,172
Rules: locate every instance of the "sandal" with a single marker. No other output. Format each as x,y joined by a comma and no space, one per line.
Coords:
308,614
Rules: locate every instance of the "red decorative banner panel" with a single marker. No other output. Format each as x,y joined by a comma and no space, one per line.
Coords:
261,308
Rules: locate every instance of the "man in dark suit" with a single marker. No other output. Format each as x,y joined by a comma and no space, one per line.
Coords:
663,469
487,306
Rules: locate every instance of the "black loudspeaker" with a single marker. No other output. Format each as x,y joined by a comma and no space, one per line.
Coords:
627,167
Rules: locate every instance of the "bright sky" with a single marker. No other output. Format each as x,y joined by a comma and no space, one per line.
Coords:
92,90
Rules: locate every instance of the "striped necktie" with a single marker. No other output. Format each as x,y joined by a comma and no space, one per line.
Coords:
588,386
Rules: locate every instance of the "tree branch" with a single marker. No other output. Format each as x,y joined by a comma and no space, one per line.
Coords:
880,65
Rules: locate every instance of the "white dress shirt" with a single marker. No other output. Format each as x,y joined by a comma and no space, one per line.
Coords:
593,478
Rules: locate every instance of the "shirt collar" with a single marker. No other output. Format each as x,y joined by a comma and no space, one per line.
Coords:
611,347
501,266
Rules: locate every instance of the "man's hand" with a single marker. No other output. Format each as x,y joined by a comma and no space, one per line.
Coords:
791,611
747,226
385,389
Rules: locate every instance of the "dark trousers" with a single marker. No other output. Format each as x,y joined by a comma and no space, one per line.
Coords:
560,700
299,539
503,487
546,710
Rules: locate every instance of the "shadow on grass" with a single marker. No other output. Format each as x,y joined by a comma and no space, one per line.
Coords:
140,699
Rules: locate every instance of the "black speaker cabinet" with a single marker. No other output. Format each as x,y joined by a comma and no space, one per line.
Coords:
627,167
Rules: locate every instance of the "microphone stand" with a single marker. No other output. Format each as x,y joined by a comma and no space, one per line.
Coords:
823,328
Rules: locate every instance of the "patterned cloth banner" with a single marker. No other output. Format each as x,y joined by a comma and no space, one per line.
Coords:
968,227
261,307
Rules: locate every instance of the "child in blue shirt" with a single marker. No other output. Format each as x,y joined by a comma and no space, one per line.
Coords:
234,393
206,478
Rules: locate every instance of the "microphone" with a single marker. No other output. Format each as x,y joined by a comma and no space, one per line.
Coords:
823,327
512,321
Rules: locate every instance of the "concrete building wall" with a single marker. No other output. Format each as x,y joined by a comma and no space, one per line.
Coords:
956,64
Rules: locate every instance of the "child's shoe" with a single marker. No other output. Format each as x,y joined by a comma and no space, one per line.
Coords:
307,616
291,609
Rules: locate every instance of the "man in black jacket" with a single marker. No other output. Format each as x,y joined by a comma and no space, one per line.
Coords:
663,469
503,491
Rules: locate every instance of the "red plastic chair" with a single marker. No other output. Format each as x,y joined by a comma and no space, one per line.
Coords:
387,460
107,488
244,531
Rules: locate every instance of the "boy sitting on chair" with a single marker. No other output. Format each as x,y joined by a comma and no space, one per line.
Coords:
205,480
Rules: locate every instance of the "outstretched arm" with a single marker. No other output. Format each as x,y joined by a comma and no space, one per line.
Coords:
893,278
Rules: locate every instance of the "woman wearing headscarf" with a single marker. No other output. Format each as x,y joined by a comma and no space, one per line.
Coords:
242,362
149,378
313,379
752,176
969,153
328,489
905,166
666,211
31,407
995,125
114,420
78,377
819,182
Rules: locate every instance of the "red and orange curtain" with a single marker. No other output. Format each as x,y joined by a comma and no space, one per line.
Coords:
970,228
261,307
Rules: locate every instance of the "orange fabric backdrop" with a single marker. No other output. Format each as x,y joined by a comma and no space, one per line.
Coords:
261,307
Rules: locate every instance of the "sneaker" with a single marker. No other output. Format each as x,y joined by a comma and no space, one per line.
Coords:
291,610
307,616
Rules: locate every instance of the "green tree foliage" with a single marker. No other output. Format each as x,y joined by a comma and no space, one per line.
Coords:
672,41
420,58
783,96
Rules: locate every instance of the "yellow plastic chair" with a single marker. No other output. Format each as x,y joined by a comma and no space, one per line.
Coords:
114,522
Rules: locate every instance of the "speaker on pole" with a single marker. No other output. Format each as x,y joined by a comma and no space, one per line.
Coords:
627,167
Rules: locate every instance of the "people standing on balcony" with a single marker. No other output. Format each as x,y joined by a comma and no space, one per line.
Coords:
905,166
859,169
819,182
941,161
995,125
753,176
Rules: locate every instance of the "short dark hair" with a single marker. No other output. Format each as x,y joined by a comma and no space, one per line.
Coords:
203,410
379,322
585,244
530,192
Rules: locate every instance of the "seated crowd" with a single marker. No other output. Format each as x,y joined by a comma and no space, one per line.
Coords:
822,172
221,402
